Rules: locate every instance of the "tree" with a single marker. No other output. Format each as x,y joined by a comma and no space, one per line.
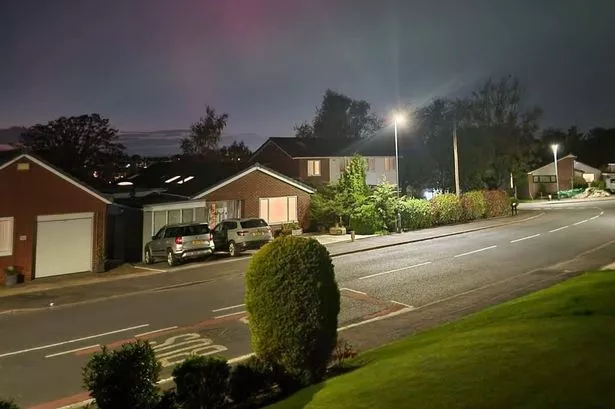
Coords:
236,152
85,146
340,117
205,134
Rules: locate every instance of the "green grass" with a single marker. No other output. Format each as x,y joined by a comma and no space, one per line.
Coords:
551,349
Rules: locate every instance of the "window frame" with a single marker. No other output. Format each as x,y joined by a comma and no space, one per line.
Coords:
312,168
389,164
289,219
11,237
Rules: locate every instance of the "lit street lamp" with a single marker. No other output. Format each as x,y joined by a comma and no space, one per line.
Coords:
398,119
554,148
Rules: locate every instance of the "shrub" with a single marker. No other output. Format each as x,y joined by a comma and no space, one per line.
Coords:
599,184
293,301
249,379
498,203
473,205
446,208
125,378
579,183
8,404
384,197
168,400
202,382
343,351
416,214
367,220
287,228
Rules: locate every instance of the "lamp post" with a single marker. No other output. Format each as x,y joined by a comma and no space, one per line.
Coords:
554,148
398,119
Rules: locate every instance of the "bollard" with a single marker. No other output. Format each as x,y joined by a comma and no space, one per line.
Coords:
352,235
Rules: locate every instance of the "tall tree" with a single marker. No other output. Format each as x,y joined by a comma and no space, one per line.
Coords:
236,152
340,117
85,146
205,134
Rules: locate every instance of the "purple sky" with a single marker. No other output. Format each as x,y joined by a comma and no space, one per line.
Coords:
151,64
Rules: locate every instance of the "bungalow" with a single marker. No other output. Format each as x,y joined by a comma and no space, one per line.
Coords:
542,181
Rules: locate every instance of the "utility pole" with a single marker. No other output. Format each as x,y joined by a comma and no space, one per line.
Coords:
456,157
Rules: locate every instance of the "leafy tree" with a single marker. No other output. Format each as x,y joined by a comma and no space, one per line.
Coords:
236,152
205,134
85,146
340,117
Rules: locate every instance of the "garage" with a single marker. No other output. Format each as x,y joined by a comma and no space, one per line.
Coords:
64,244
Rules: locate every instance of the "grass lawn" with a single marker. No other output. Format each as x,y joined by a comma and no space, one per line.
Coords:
551,349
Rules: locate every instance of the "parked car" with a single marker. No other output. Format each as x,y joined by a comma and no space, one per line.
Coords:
179,242
237,235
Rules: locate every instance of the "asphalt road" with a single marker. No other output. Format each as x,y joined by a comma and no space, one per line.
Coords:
42,352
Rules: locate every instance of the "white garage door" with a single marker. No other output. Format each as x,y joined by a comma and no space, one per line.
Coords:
63,244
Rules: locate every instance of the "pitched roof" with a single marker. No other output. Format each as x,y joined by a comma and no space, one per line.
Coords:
376,145
51,168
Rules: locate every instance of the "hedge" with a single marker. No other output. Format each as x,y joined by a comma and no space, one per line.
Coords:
367,219
416,214
474,205
498,203
446,208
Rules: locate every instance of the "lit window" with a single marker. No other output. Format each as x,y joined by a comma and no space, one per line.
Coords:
389,164
313,167
6,236
278,210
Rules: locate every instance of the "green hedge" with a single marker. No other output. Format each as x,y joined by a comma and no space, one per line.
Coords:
446,208
498,203
416,214
367,219
474,205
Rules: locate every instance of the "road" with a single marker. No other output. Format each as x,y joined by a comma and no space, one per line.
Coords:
43,351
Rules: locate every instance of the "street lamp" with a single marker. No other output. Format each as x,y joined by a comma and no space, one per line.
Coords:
398,119
554,148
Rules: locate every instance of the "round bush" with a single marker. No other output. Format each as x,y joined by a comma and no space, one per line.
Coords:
293,301
474,205
202,382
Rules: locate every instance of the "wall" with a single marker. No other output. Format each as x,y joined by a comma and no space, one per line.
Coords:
37,191
372,177
275,158
255,185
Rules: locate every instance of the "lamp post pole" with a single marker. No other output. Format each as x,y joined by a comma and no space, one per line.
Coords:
397,220
554,147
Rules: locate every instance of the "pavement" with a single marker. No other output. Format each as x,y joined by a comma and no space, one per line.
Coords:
387,292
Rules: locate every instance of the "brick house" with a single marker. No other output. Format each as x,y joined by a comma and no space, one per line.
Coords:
321,161
50,223
193,190
542,181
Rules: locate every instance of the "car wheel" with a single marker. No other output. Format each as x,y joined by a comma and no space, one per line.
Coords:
148,257
232,249
171,258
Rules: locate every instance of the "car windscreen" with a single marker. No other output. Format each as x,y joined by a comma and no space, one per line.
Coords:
252,223
196,230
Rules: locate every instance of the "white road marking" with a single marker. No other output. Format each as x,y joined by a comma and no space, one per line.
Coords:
476,251
229,315
525,238
401,303
155,331
71,351
594,218
394,271
558,229
23,351
232,307
601,213
151,269
383,317
353,291
581,222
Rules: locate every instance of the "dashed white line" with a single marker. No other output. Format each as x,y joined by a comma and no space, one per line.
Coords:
229,315
558,229
394,271
601,213
402,304
155,331
71,351
22,351
476,251
232,307
581,222
525,238
353,291
594,218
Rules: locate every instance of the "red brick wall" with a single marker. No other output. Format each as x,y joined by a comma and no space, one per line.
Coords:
325,173
275,158
257,185
37,191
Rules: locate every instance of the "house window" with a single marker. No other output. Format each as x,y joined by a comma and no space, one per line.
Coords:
389,164
6,236
371,164
544,179
313,167
277,210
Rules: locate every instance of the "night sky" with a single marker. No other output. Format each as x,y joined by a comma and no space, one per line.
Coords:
153,65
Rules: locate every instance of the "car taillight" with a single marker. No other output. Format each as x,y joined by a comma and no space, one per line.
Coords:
242,233
179,240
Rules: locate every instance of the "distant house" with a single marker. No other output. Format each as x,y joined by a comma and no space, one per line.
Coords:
609,177
317,161
543,180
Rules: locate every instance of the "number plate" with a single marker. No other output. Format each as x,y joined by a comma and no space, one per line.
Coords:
195,242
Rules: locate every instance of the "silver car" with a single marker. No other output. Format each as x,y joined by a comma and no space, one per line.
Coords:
179,242
237,235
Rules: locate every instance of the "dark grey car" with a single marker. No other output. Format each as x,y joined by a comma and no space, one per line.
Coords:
179,242
237,235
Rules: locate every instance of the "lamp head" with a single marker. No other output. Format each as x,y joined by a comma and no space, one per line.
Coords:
399,118
554,147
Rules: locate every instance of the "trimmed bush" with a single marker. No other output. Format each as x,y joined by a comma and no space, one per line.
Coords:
8,404
367,220
249,379
474,205
416,214
125,378
293,301
599,184
498,203
202,382
446,208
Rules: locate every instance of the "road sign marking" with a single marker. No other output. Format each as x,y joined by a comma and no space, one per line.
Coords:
232,307
476,251
394,271
353,291
23,351
171,352
525,238
71,351
155,331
